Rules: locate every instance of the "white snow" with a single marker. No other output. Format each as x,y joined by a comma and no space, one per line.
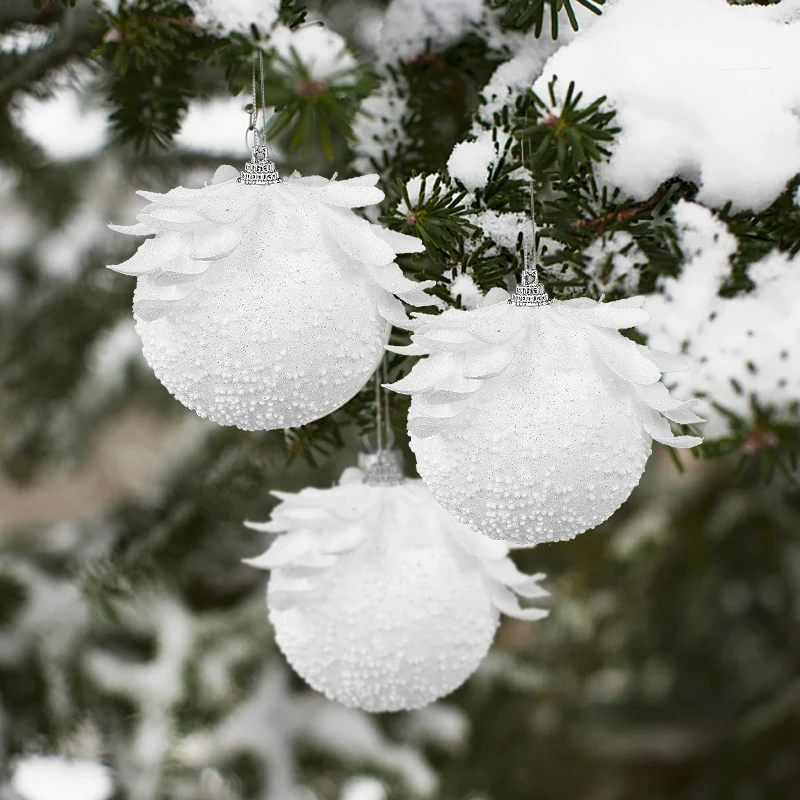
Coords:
24,38
410,24
66,125
216,126
724,336
416,186
503,229
465,286
273,720
442,724
363,787
54,615
60,252
378,126
614,263
236,15
19,226
470,162
154,686
56,778
323,51
516,75
703,89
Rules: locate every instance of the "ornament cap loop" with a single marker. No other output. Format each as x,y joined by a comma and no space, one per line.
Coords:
382,467
259,171
530,292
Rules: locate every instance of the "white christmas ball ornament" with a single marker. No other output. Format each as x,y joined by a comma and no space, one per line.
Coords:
379,599
534,424
266,306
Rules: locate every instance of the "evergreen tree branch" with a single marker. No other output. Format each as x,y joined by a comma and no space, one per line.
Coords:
24,12
76,37
621,215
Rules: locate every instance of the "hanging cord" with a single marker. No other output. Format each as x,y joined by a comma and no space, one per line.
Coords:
382,466
386,415
378,403
529,291
263,98
260,171
252,110
384,434
530,248
256,107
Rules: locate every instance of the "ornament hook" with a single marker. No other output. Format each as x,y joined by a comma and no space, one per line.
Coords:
529,292
259,171
382,466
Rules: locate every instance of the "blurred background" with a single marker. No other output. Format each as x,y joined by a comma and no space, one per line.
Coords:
136,658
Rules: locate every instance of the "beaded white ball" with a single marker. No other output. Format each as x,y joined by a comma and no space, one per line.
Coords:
266,306
379,599
534,424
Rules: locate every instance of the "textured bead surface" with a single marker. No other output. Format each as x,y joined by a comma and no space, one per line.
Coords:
266,306
379,599
533,425
268,342
542,455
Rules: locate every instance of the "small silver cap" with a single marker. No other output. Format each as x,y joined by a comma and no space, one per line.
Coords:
530,292
382,468
259,171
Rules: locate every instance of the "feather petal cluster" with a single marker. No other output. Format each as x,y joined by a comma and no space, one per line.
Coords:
266,306
534,424
379,599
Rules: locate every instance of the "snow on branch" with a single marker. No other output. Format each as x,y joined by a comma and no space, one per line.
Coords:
703,90
742,348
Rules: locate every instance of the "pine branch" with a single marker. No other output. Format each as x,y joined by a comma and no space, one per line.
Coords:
76,37
525,14
25,12
567,137
610,218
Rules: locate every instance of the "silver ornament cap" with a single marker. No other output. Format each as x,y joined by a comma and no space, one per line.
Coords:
259,171
530,292
382,468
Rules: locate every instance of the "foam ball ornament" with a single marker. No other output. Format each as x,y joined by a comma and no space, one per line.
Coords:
379,599
533,424
264,302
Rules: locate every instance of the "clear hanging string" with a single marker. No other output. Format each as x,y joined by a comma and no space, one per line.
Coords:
530,248
382,466
529,291
260,170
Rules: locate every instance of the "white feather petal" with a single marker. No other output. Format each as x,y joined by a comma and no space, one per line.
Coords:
407,349
133,230
177,196
355,237
391,309
666,362
425,374
623,358
286,549
424,427
228,205
684,415
391,278
149,310
169,278
339,193
606,315
507,602
658,428
399,242
152,254
487,363
212,242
